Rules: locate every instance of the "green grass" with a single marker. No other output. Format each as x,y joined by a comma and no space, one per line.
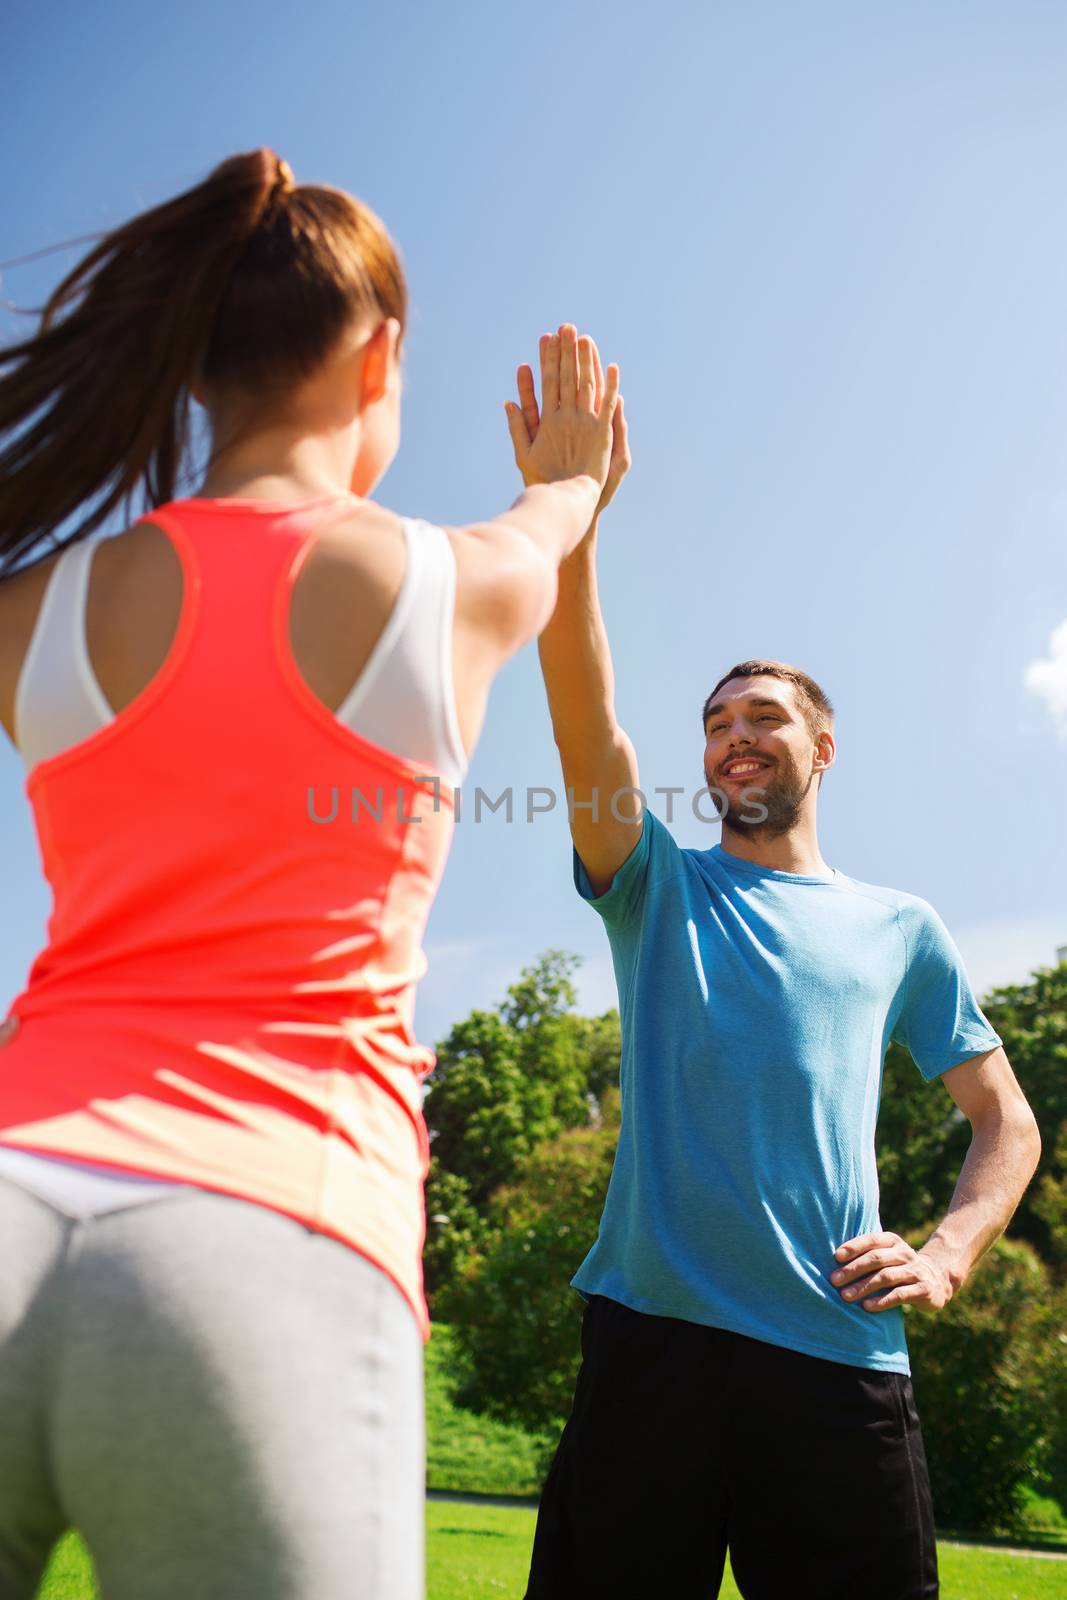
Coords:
483,1553
1043,1513
982,1575
466,1452
70,1572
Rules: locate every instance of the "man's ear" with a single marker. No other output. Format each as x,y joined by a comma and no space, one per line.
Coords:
827,749
378,352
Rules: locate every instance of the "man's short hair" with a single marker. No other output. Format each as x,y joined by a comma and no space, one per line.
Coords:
814,703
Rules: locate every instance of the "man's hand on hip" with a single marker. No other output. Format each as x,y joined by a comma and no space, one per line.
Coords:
885,1267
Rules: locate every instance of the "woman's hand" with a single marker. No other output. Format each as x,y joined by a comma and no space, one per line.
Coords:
573,435
620,460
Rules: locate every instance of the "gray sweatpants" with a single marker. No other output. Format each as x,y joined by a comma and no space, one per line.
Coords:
225,1403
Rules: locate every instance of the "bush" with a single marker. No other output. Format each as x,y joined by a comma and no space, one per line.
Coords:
506,1082
1031,1018
516,1320
454,1226
1051,1364
983,1370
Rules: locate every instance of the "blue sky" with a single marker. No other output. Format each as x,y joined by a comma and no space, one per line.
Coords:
827,245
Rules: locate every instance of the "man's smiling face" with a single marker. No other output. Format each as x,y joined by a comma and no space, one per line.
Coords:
757,738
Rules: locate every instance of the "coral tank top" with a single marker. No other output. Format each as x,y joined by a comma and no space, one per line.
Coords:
240,888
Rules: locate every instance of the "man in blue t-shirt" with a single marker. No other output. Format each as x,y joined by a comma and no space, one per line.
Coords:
745,1377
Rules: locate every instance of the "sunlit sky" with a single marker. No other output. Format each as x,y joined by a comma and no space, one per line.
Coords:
827,245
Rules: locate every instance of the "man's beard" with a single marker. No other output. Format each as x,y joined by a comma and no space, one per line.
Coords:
769,806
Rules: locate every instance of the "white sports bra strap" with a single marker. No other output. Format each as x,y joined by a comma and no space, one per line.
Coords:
58,700
404,698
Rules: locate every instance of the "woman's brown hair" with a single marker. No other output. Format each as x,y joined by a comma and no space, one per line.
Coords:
243,284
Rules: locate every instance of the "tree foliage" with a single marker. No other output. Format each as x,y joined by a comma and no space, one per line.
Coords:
507,1081
923,1137
922,1141
1031,1018
1049,1199
516,1317
983,1370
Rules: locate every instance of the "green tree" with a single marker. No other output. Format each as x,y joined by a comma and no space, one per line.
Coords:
1049,1201
983,1369
1032,1020
515,1317
990,1370
454,1229
923,1137
1051,1366
922,1141
506,1081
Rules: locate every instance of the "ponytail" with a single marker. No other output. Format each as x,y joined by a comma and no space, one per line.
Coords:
244,283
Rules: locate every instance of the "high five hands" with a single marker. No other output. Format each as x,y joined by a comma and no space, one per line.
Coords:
581,416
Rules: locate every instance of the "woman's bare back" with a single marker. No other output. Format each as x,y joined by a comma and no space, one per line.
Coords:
342,596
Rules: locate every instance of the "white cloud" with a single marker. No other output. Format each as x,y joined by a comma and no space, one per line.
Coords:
1048,678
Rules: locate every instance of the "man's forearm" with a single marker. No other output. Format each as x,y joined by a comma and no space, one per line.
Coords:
576,658
1001,1161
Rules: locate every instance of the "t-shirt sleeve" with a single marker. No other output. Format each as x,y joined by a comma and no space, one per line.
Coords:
651,856
940,1021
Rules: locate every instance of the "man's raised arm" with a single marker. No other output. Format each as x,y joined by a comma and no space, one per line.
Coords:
598,759
599,764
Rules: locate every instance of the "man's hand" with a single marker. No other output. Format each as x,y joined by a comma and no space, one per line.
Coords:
621,460
575,434
885,1266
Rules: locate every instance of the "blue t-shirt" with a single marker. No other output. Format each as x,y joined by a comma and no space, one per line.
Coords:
756,1010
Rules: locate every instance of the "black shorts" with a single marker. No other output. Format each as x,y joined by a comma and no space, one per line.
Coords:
684,1440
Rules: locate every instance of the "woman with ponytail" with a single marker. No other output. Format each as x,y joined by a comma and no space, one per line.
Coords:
243,721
